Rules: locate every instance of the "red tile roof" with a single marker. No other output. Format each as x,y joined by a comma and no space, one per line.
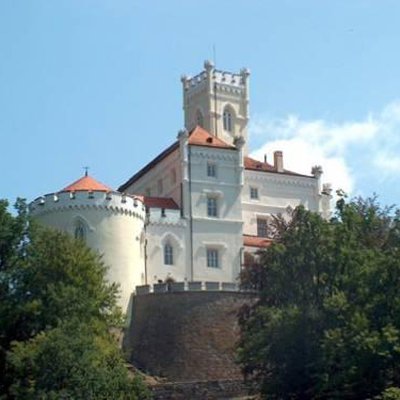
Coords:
256,241
160,202
197,137
251,163
255,165
200,137
87,183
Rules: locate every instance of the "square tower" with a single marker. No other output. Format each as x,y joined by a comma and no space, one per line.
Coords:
218,101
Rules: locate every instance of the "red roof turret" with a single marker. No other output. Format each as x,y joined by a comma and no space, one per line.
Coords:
87,183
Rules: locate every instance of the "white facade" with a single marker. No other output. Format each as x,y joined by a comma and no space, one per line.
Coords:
218,101
110,223
205,202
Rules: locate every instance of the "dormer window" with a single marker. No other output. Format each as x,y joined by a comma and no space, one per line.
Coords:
228,119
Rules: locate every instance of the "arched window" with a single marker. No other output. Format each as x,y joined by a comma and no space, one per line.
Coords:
228,119
199,118
80,231
168,254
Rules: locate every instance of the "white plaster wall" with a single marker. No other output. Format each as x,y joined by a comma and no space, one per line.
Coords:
163,170
223,232
160,230
276,193
224,236
114,230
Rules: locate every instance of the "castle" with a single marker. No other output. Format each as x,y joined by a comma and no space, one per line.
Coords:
192,213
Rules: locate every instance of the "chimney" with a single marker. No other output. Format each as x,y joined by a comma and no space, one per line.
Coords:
265,158
278,161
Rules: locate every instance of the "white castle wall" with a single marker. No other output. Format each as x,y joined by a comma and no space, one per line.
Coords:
167,227
168,171
223,232
277,192
114,226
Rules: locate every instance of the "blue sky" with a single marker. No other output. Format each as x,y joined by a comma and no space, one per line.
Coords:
97,83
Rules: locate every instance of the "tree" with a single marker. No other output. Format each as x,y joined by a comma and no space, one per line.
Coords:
327,323
56,313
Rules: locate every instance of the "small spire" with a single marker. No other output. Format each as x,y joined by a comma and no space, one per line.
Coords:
86,170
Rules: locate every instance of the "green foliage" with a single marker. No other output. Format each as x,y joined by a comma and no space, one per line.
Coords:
56,313
392,393
327,325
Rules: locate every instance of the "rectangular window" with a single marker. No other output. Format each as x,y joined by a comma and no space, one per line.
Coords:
212,258
253,193
160,186
211,170
173,176
262,227
212,207
168,254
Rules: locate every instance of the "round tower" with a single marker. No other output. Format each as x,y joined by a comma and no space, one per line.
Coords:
110,222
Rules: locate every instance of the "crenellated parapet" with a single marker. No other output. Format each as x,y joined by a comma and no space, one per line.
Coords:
189,286
165,216
114,202
223,81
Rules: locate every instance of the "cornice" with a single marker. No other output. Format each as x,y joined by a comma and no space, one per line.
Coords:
279,179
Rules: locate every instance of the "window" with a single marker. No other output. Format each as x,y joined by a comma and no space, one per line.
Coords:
168,254
147,192
253,193
212,207
227,120
80,231
160,186
199,119
262,227
211,170
173,176
212,258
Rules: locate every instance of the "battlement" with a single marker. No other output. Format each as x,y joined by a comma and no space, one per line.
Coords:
164,216
229,78
215,76
114,201
195,286
191,82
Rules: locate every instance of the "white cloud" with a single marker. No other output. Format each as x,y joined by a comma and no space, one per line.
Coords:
347,151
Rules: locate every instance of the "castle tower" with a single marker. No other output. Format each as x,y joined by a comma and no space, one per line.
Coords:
109,222
218,101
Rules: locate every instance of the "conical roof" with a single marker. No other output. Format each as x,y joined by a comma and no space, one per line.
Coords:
87,183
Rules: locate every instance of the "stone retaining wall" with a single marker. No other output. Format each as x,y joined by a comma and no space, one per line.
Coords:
186,336
210,390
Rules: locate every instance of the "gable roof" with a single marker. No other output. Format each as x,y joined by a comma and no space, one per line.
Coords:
256,241
197,137
87,183
149,166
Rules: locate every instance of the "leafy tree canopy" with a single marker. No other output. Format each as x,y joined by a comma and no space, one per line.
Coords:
327,323
56,316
